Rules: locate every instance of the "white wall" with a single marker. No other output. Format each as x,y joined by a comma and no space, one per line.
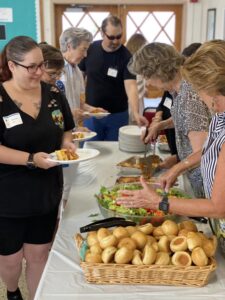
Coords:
194,16
220,17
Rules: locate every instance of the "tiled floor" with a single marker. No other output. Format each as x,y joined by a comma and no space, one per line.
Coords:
22,285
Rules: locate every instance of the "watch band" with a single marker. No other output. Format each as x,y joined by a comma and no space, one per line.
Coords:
30,161
164,204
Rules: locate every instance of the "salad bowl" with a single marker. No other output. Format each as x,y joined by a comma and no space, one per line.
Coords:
106,200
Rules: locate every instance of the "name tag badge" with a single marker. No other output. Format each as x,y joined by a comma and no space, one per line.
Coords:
168,103
112,72
12,120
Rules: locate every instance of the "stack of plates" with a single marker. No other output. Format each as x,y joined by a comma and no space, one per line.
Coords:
130,139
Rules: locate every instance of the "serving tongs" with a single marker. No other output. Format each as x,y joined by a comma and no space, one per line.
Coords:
146,144
109,222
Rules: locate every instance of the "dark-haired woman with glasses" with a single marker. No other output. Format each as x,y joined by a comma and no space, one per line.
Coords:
35,120
54,64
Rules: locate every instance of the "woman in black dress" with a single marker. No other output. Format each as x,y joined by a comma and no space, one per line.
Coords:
35,120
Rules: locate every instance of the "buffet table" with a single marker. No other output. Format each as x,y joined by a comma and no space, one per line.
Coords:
63,278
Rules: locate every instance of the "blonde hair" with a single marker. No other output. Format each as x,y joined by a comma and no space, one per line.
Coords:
157,60
205,69
135,42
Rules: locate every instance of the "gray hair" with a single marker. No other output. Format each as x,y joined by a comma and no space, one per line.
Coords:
156,60
75,36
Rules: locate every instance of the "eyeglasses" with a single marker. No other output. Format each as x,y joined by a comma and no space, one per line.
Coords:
114,37
32,69
54,75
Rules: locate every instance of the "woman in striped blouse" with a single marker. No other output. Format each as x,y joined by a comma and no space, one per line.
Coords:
205,70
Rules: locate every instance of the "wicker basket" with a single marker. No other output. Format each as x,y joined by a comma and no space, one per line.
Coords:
100,273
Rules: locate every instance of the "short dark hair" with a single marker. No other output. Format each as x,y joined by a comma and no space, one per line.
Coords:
52,56
113,20
15,50
189,50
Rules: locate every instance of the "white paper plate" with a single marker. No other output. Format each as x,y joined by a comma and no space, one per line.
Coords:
84,154
97,115
87,135
130,130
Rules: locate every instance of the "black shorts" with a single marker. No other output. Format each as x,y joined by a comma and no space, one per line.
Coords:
14,232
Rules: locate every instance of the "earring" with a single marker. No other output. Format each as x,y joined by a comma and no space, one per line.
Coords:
213,102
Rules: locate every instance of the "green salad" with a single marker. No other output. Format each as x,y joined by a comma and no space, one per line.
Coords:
107,199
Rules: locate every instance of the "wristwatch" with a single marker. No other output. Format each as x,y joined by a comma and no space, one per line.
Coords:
30,162
164,204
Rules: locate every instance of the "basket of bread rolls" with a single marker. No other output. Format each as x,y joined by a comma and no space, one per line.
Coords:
170,254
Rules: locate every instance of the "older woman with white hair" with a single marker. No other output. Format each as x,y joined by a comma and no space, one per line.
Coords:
74,43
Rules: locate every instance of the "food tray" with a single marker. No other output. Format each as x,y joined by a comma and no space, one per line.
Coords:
100,273
137,165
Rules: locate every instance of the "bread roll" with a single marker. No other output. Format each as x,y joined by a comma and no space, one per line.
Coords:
93,258
183,232
155,246
96,249
181,258
202,236
157,232
102,232
137,258
179,243
169,227
131,229
140,239
92,238
149,255
108,241
162,258
189,225
127,242
164,244
199,257
171,237
120,232
123,255
193,240
209,246
108,254
146,228
150,240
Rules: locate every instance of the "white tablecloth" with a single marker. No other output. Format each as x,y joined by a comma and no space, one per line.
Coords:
63,278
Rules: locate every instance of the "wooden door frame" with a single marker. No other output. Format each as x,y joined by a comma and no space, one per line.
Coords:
60,8
121,11
177,9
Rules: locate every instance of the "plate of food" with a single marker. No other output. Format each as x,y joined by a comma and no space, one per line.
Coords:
137,165
64,156
97,113
106,200
83,135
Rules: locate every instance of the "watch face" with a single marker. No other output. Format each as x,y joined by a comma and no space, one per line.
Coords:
164,205
30,162
31,165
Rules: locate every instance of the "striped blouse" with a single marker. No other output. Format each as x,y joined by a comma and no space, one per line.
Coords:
210,156
211,151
